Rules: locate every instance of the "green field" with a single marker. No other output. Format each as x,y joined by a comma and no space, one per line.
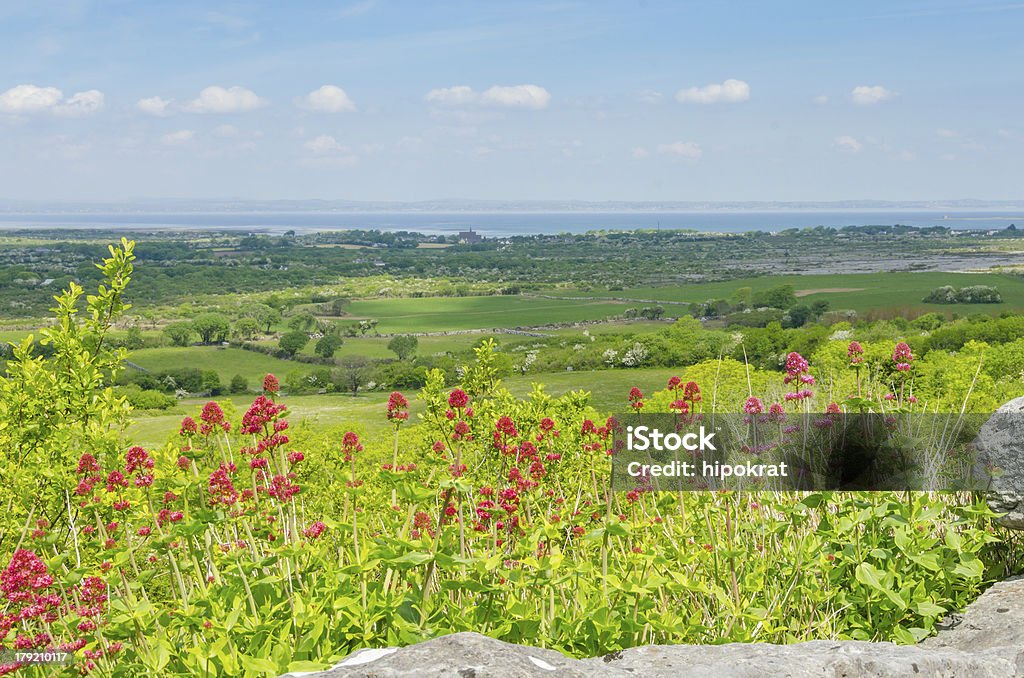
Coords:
609,389
858,292
438,314
227,362
322,414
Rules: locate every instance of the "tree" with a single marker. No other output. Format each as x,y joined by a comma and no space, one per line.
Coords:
404,346
212,327
327,345
304,322
211,382
239,384
293,342
247,328
265,315
180,334
351,374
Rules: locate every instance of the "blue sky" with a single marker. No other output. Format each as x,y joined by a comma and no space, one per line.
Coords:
394,100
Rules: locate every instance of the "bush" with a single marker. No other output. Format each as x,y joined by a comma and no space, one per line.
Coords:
239,384
146,399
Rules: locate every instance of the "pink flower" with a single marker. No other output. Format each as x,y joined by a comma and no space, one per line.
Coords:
855,353
902,356
271,385
673,383
314,530
458,399
350,445
636,398
691,392
753,406
398,407
679,406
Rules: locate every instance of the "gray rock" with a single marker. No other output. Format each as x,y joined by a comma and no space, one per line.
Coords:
856,659
987,640
996,619
1001,444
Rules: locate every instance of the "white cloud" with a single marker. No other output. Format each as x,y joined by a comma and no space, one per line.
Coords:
327,99
945,133
82,103
459,95
907,156
639,153
154,106
177,138
682,149
30,99
324,144
730,91
517,96
864,95
216,99
848,144
531,97
821,99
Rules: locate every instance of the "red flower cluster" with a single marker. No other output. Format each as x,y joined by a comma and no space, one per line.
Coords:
221,488
798,372
398,408
636,398
855,353
271,385
262,412
902,356
350,445
212,417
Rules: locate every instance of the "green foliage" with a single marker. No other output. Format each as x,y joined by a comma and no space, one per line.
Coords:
293,342
212,327
327,345
239,384
180,334
404,346
52,408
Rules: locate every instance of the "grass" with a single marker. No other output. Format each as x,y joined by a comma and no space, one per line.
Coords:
608,389
227,362
317,413
438,314
863,292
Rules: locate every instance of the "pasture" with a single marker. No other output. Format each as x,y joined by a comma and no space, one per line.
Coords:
857,292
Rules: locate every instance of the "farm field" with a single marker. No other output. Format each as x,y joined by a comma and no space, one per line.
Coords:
227,362
858,292
438,314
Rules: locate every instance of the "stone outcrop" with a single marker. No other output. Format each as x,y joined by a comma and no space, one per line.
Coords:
987,640
1001,445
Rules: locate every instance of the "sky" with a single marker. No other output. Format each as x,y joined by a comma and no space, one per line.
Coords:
553,100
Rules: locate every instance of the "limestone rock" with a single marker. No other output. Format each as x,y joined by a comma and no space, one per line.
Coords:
1001,444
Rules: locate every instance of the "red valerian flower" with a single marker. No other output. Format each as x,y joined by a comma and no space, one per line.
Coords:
350,445
398,408
673,383
137,459
855,353
902,356
271,384
458,399
753,406
188,427
315,530
636,398
691,392
212,417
